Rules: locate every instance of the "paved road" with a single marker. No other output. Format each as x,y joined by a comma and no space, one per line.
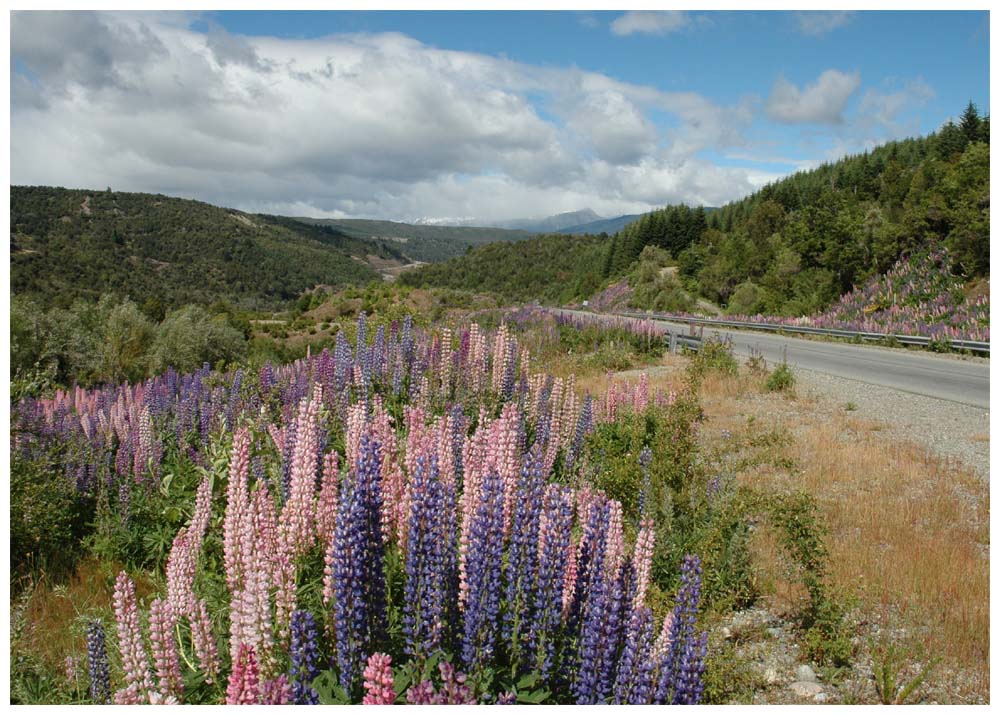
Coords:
963,381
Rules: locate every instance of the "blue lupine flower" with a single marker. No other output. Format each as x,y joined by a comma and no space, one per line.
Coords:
305,658
522,561
358,563
633,683
97,662
423,593
681,669
483,560
554,536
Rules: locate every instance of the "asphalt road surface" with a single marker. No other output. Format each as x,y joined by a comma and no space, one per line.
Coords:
963,381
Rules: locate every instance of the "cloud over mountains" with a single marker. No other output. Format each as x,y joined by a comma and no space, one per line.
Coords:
368,124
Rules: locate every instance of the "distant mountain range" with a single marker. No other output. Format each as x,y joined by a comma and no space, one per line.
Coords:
605,225
551,224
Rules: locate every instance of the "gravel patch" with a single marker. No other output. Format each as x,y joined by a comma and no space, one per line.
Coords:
950,430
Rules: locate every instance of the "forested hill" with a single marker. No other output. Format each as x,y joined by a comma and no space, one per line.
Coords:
551,268
794,246
427,243
67,244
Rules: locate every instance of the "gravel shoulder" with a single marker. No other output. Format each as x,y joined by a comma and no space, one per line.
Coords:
951,430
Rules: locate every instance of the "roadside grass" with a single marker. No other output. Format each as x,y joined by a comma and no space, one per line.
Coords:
908,531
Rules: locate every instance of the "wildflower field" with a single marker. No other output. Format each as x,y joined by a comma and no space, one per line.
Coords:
417,516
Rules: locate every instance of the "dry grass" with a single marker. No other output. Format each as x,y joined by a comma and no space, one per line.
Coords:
909,532
55,617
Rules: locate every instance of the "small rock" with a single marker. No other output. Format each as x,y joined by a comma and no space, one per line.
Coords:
805,689
820,697
726,633
805,673
771,676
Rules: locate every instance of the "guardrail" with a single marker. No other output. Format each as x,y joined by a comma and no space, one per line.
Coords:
971,345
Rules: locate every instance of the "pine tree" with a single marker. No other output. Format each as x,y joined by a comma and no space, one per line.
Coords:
969,124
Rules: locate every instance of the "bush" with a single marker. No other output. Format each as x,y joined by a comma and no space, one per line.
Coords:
714,356
48,518
189,337
782,379
748,299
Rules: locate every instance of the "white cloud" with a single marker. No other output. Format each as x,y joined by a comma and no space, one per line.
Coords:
820,23
348,125
648,22
821,102
885,108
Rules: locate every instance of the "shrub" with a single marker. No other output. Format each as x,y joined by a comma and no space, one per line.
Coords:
714,355
781,380
189,337
48,517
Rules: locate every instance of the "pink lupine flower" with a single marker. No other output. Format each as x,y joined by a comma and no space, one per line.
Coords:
203,637
276,691
615,548
162,620
296,528
135,662
326,503
642,561
250,615
237,506
244,681
569,579
378,680
180,574
662,644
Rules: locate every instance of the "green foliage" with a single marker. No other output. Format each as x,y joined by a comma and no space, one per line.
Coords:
782,379
113,341
714,355
888,664
68,244
552,268
748,299
729,678
48,518
655,286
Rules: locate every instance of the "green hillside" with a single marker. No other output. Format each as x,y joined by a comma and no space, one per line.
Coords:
550,268
68,244
796,245
429,244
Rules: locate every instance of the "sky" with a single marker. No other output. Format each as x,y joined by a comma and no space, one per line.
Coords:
473,116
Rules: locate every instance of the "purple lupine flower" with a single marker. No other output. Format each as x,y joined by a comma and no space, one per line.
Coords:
305,658
553,546
287,453
595,603
507,698
97,662
680,671
453,691
522,561
633,683
458,424
421,694
583,426
357,564
424,591
482,605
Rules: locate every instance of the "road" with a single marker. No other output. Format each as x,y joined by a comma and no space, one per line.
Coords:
963,381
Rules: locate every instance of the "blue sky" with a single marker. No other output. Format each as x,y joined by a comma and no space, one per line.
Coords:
476,115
